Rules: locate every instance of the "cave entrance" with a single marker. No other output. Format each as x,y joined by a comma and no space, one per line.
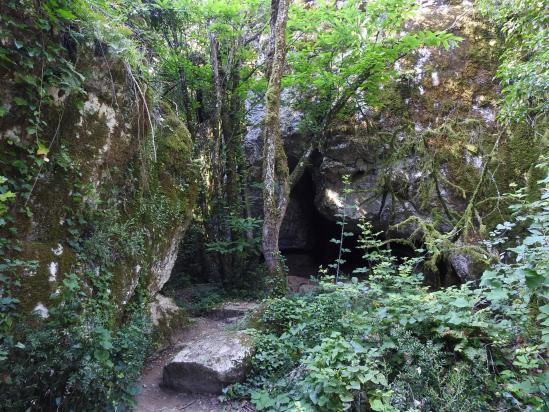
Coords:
305,235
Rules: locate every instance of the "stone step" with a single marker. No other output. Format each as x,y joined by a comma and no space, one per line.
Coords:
232,311
209,363
216,358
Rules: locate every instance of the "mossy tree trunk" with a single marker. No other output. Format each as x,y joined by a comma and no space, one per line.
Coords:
275,165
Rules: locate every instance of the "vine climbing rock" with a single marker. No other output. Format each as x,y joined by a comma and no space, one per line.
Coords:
209,362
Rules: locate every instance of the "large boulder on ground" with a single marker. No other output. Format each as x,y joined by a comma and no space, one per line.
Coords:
209,363
108,197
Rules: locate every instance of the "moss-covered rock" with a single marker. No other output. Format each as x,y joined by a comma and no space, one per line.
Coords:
438,118
423,153
108,197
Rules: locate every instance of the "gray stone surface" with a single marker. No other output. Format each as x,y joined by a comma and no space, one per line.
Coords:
209,363
213,359
383,150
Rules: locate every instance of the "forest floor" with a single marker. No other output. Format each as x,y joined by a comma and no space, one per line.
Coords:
156,398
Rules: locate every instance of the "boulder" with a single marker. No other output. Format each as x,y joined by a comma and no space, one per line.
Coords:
418,155
439,110
98,165
468,263
209,363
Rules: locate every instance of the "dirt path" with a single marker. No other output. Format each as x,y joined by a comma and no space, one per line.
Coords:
155,398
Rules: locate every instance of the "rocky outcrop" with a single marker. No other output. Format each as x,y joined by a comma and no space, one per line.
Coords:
422,154
301,285
167,318
110,197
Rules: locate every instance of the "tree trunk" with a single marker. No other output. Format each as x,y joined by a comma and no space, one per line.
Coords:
275,166
216,161
183,84
272,38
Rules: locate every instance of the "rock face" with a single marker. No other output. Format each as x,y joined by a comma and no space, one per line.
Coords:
419,156
438,120
209,363
124,199
301,285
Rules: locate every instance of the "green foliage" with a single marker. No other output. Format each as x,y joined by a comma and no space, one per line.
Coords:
333,45
194,44
73,359
237,252
5,196
529,272
33,67
77,353
241,243
72,354
524,69
85,346
429,380
384,344
389,344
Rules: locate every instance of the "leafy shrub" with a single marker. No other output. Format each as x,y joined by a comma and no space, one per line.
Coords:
424,381
73,360
389,344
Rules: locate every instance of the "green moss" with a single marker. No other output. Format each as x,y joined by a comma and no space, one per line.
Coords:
165,202
520,152
36,286
174,144
102,180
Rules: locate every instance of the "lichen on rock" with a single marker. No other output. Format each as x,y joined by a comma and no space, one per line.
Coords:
208,364
94,205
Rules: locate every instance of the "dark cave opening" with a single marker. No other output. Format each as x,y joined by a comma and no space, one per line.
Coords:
306,233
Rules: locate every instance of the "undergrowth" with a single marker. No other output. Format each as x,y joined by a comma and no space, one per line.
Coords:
74,360
389,344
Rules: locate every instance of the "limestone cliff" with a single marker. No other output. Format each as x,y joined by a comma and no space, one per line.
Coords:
99,191
422,154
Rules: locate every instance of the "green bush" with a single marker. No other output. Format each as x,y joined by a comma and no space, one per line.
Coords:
74,360
390,344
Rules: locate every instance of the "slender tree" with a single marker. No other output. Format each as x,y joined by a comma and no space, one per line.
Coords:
275,165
